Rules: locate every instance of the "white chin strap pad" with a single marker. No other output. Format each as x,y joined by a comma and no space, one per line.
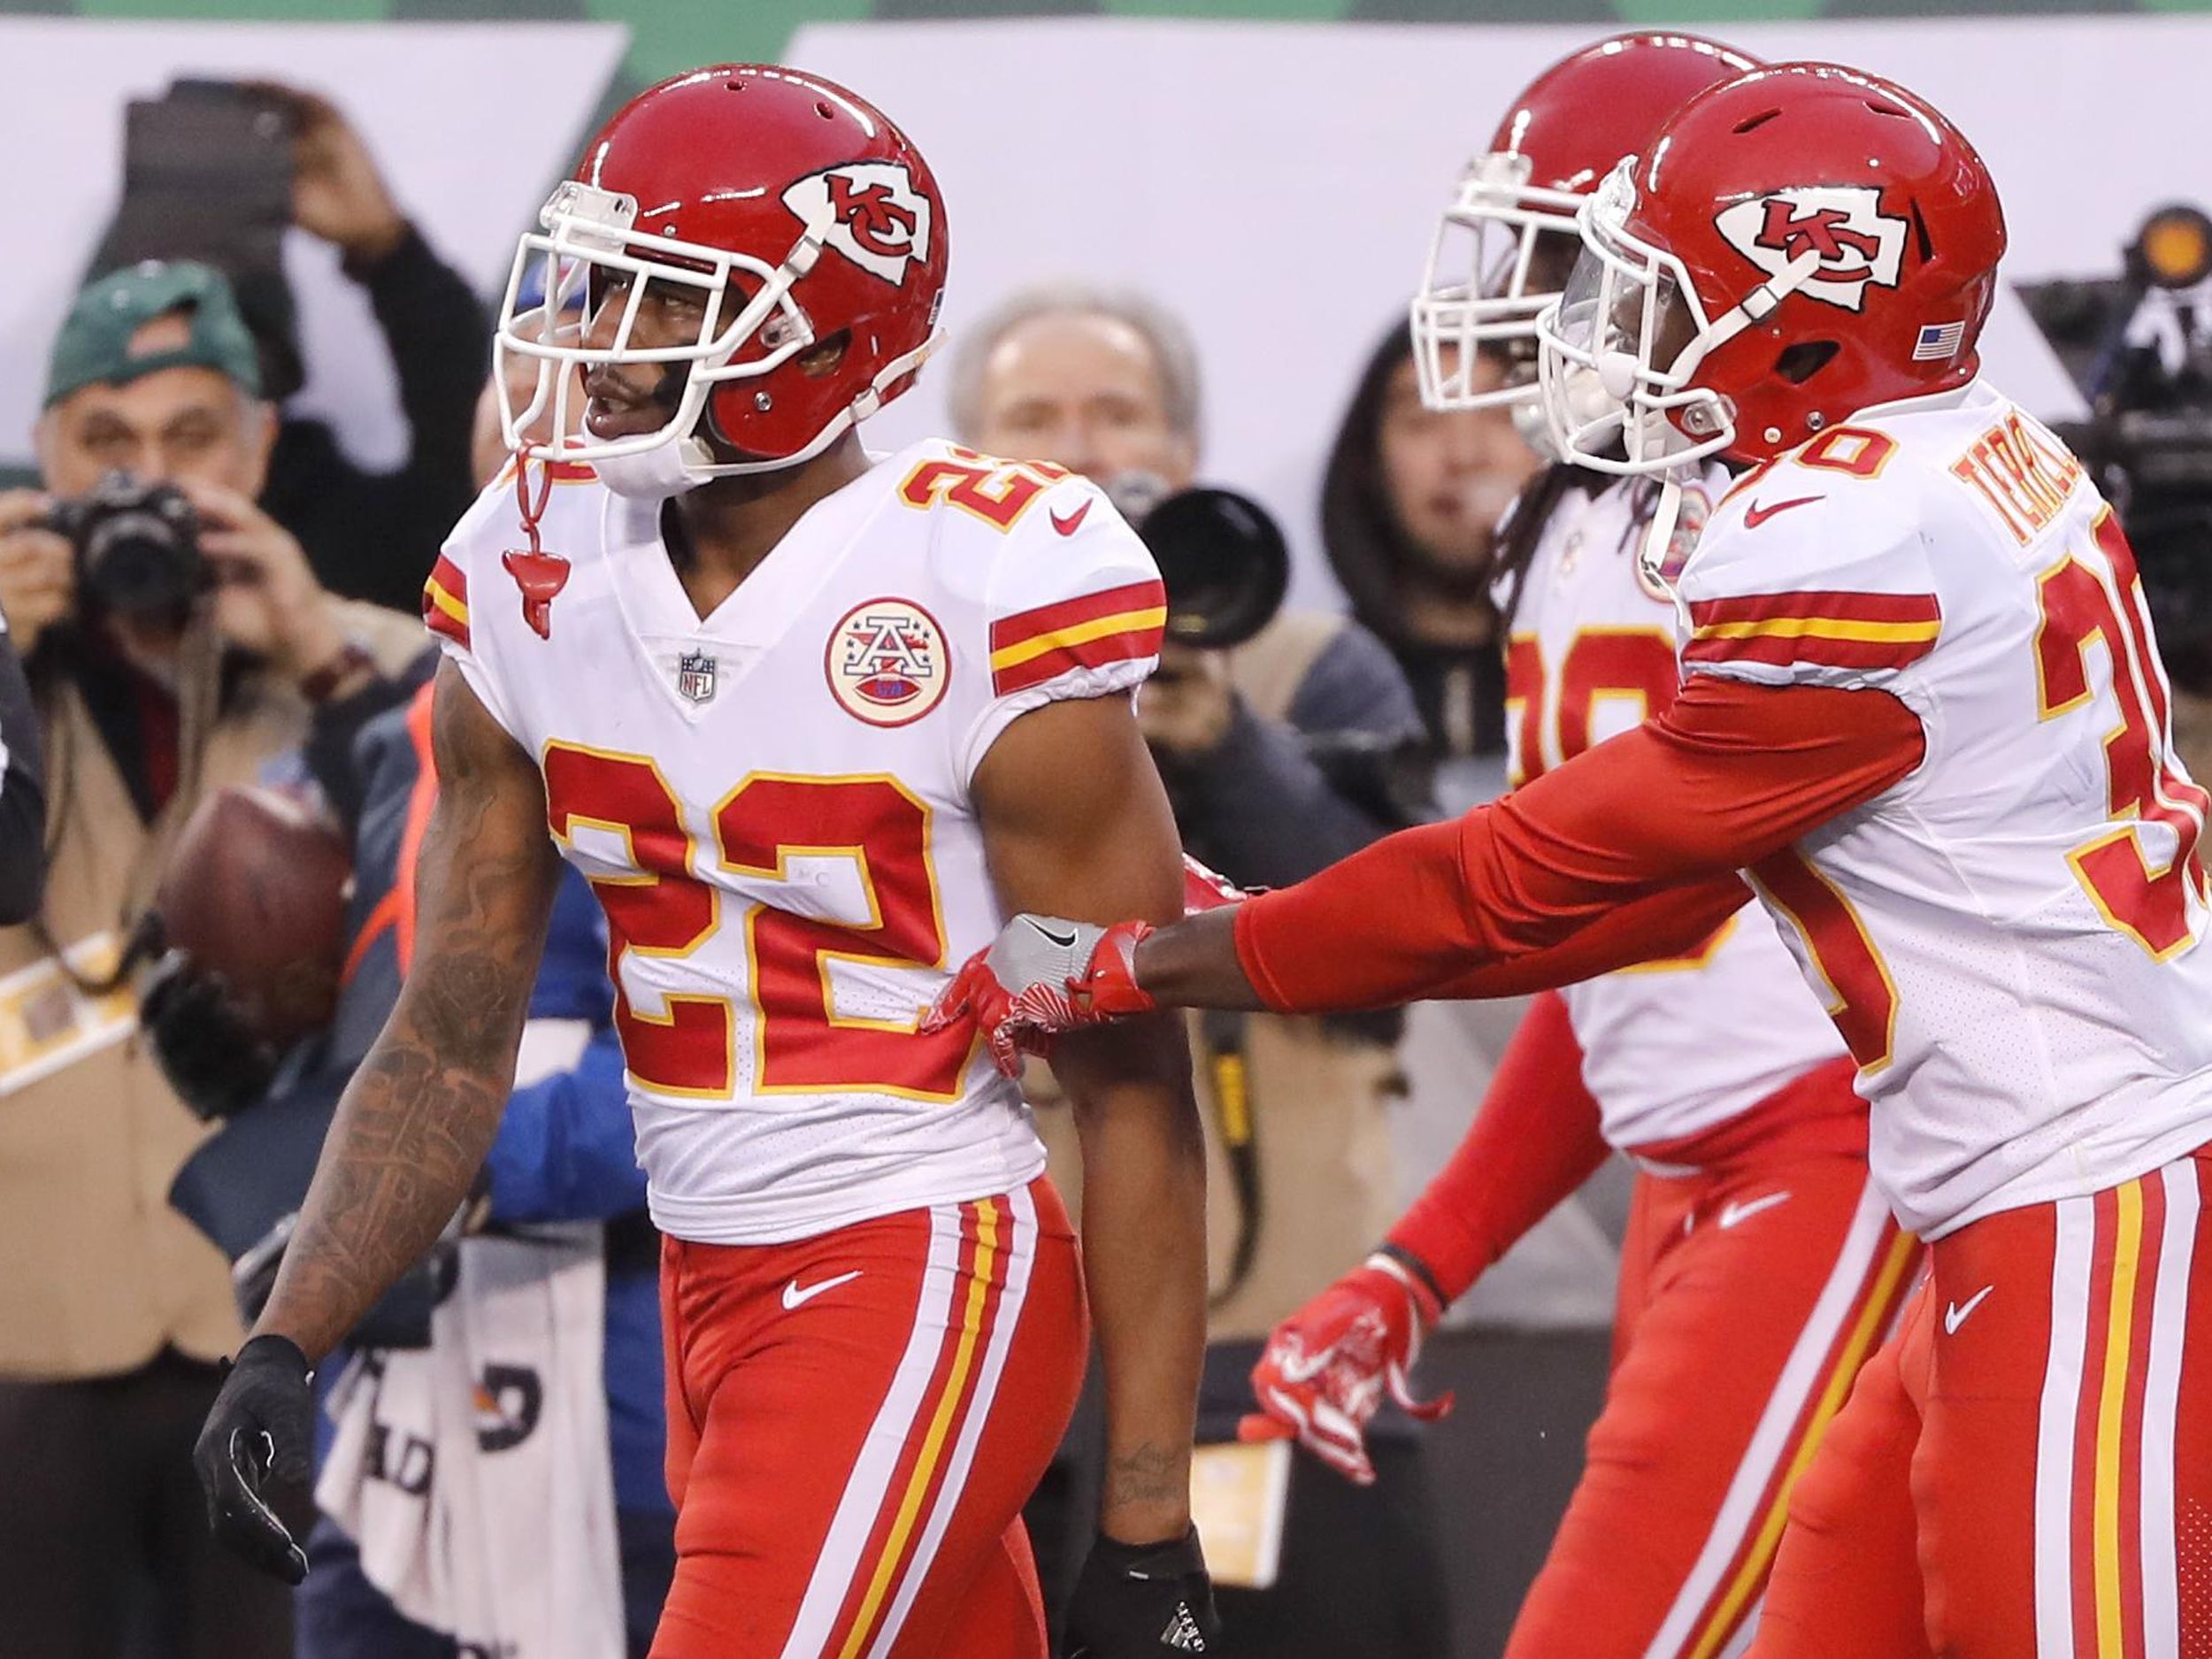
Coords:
653,475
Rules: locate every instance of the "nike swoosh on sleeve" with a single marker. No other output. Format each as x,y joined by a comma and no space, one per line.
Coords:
1754,514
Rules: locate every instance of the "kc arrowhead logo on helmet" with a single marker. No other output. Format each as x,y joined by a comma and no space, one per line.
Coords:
1855,242
870,211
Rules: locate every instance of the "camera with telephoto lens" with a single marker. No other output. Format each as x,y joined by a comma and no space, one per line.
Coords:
2140,347
137,546
1221,558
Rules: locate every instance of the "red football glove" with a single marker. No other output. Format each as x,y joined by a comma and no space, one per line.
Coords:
1039,977
1326,1368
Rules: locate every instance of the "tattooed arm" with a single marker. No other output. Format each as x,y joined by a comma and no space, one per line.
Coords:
415,1122
1076,823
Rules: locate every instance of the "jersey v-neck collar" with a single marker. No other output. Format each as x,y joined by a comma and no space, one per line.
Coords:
757,612
759,609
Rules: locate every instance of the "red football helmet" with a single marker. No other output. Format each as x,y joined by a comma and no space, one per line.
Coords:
789,213
1486,279
1801,243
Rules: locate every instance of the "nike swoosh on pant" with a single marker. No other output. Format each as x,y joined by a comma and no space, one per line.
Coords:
1730,1214
793,1297
1955,1315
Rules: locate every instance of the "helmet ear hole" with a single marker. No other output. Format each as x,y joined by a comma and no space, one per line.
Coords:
823,356
1799,363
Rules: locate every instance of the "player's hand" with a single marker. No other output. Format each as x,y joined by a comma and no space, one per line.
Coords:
1039,977
213,1058
260,1431
267,598
38,567
1326,1368
1137,1601
337,193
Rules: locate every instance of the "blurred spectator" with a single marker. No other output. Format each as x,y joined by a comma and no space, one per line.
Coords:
1107,384
1410,504
151,687
371,535
22,792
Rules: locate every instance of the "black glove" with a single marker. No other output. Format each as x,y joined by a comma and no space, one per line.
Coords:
1137,1601
210,1056
260,1431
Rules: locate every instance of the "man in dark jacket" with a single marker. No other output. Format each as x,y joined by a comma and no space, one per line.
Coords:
373,535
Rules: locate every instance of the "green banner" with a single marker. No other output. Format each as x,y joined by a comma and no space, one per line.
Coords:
667,36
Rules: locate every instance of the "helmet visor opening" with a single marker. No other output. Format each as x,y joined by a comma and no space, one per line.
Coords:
707,314
1617,353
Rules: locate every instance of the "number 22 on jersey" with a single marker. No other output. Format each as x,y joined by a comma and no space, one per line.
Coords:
858,844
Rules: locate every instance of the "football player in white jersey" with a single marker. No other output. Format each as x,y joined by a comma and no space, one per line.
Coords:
1755,1233
811,723
1923,712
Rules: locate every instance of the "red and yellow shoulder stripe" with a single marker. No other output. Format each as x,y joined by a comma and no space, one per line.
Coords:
1825,630
445,601
1119,625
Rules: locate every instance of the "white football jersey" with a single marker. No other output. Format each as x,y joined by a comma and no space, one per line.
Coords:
772,804
1669,1048
2010,938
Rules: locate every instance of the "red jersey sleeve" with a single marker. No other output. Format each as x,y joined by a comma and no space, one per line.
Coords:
1535,1140
1571,876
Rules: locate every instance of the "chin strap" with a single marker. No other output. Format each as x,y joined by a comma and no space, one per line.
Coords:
1659,533
539,575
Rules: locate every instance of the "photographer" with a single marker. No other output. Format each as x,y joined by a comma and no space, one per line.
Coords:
1278,753
177,640
2140,346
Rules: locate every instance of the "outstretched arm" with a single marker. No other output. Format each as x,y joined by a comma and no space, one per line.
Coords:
1626,852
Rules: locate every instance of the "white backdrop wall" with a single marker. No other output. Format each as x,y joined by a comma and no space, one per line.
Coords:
1277,182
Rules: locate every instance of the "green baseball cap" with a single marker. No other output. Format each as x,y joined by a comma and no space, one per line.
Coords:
94,346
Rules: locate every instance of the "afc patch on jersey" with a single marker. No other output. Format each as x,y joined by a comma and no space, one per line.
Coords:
886,662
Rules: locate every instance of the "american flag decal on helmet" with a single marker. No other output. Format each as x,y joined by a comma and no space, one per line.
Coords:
1937,343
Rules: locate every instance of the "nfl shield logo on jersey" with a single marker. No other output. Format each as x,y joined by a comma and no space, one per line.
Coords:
695,676
886,662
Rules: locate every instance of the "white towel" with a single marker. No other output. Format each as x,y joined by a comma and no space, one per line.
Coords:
473,1474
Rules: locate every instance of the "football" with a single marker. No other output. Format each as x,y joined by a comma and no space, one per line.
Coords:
256,891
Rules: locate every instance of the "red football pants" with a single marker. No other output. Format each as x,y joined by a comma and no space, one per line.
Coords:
2026,1471
1751,1294
853,1423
